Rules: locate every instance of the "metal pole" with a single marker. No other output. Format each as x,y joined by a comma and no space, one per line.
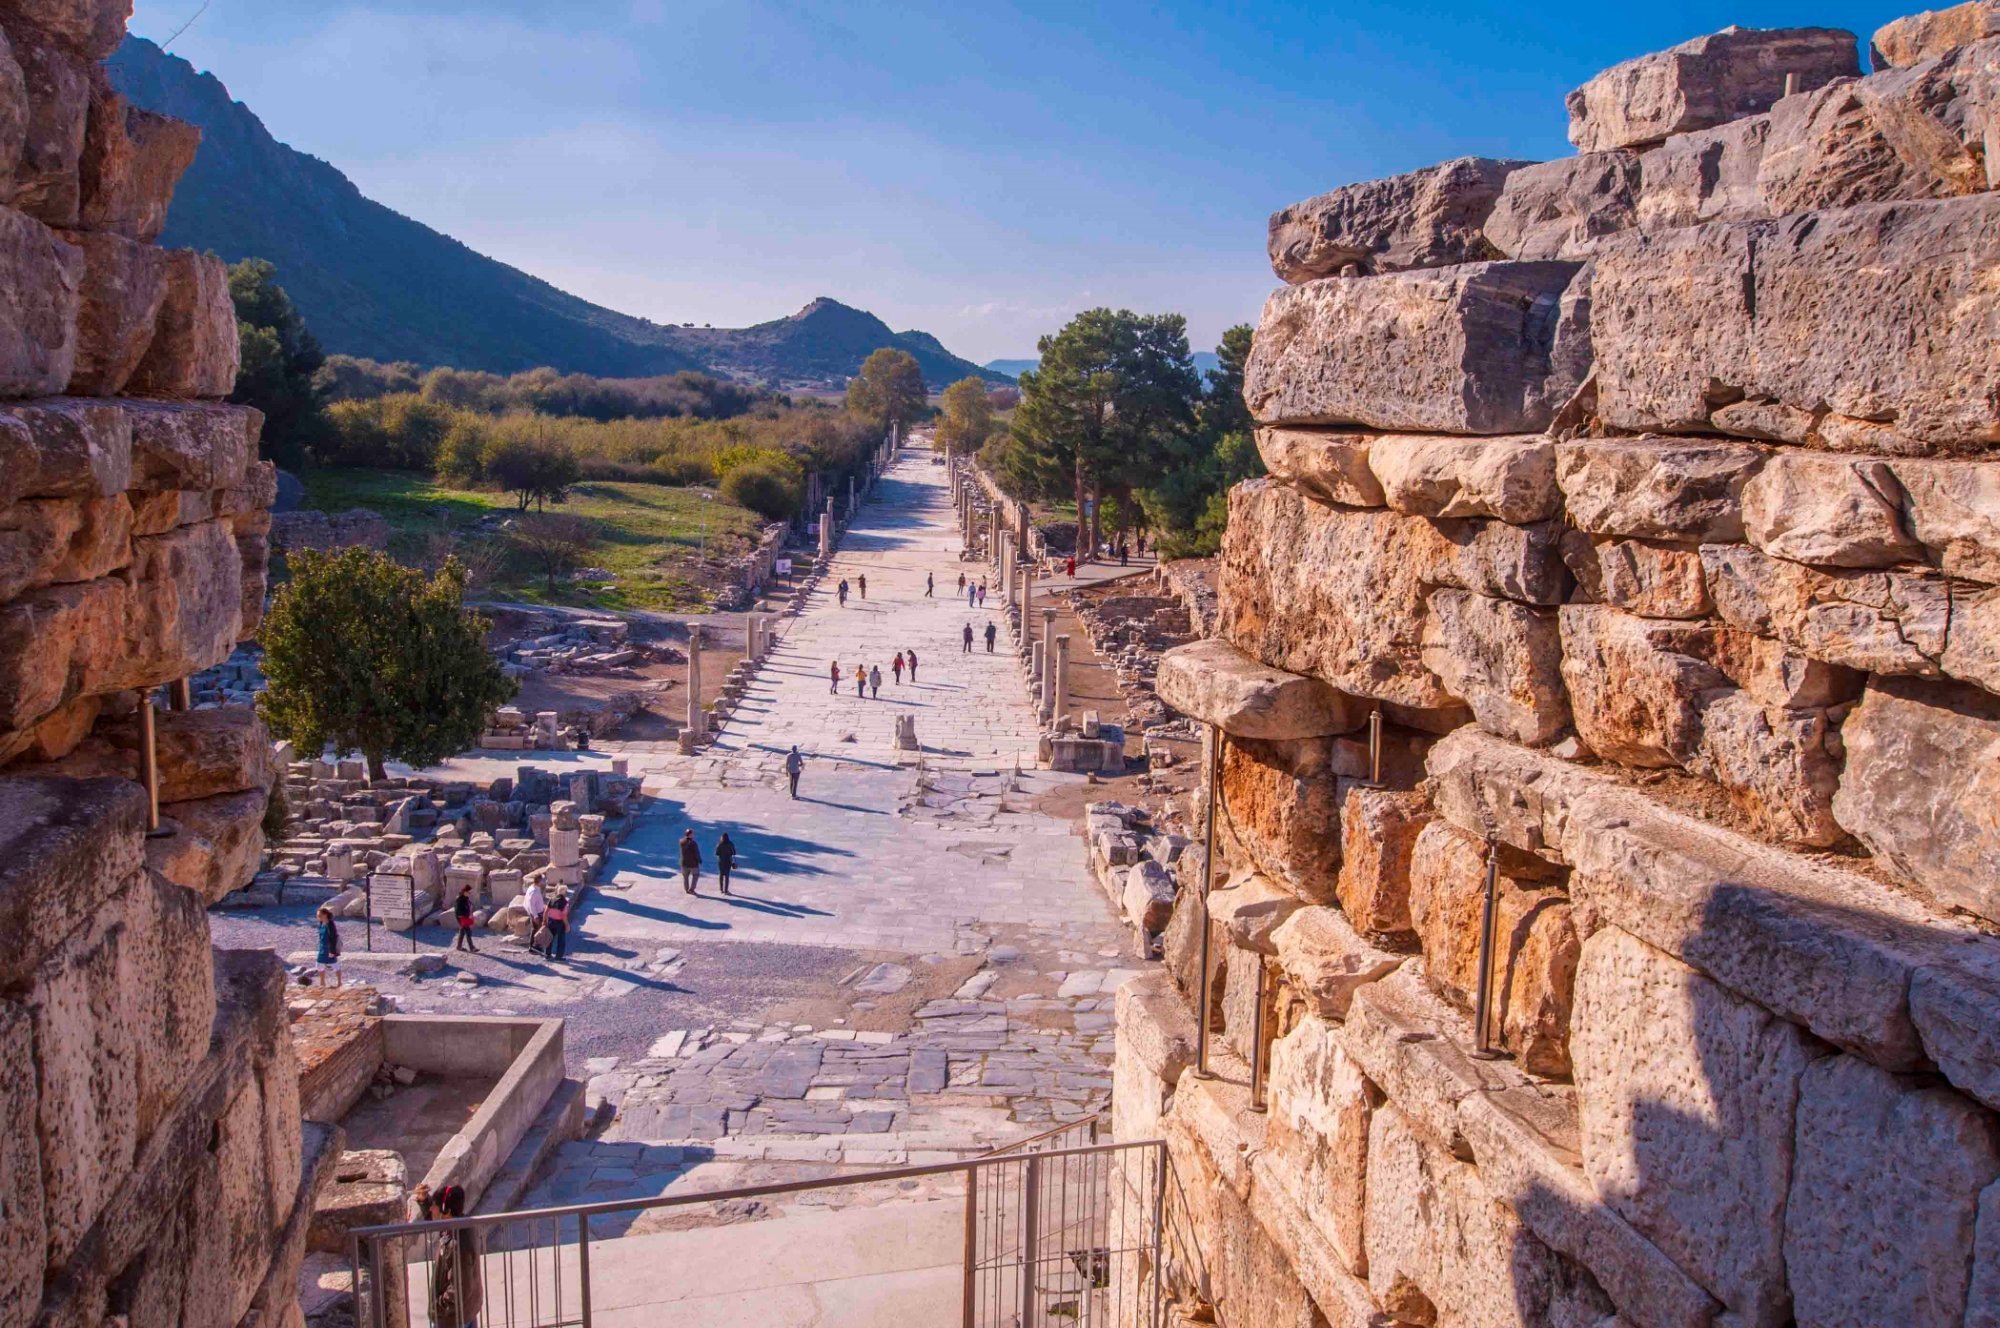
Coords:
1480,1042
583,1267
1031,1235
180,695
1207,881
413,913
971,1241
1375,745
1257,1057
1159,1221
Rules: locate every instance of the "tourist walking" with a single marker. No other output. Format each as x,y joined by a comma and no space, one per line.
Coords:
1069,565
968,638
862,581
461,909
537,905
861,681
910,658
991,632
690,861
971,593
725,860
795,765
930,586
1124,554
833,671
457,1294
896,666
329,949
843,592
875,682
558,925
961,580
982,592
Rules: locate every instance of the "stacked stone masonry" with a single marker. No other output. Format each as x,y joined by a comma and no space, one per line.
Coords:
1651,498
153,1168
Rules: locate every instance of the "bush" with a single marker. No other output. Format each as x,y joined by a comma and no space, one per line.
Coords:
764,489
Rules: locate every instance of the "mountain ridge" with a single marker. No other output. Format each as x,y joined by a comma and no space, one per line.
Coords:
372,282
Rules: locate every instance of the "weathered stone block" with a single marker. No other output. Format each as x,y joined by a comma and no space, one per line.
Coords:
219,843
24,1235
188,445
1560,209
91,28
1982,1297
1490,348
1657,488
132,159
52,643
1652,578
46,541
1512,479
1776,765
194,351
1427,218
1637,686
1707,81
124,285
1327,961
1925,36
1215,683
1686,321
1688,1095
1321,1108
186,605
1921,788
57,82
1249,908
1884,1200
1817,508
1502,659
41,283
1280,809
1329,466
64,448
1148,898
1378,829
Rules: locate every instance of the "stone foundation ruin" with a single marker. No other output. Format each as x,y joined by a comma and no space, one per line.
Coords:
1648,502
153,1169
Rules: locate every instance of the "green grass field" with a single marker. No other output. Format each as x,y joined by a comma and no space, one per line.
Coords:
647,535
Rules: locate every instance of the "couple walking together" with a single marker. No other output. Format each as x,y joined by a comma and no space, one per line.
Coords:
691,860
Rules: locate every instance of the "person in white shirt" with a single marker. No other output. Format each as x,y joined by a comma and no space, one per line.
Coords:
537,905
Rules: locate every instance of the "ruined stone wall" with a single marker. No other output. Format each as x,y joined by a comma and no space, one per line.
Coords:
152,1166
1652,496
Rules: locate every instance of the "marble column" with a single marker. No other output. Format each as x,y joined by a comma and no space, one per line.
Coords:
697,721
1059,706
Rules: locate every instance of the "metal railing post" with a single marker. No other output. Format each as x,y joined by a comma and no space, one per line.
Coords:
1258,1057
1375,746
1159,1226
1031,1237
583,1267
971,1239
180,694
1207,882
1481,1044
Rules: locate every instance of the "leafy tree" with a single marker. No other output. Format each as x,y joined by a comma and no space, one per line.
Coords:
279,358
555,542
1111,401
1223,411
765,489
889,390
1187,500
535,470
967,416
370,656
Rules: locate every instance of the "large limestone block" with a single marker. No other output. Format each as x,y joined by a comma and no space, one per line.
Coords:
132,159
1777,767
1560,209
55,644
1321,1107
1637,686
218,844
1921,788
1342,594
186,605
1148,897
91,28
1502,659
63,448
1835,510
124,285
1326,961
1831,950
13,114
1513,479
1535,946
1708,175
1489,348
1378,831
46,541
1427,218
166,975
1657,488
190,445
1249,909
1686,321
1707,81
41,280
1688,1096
194,351
24,1235
1983,1295
1280,810
1328,465
57,81
1919,37
1885,1195
1215,683
66,847
1652,578
1953,510
205,752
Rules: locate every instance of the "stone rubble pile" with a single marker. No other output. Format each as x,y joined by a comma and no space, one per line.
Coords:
153,1168
329,532
1649,502
1136,862
399,849
1128,631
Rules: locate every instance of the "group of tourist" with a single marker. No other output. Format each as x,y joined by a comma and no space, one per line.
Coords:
860,582
548,926
868,678
974,591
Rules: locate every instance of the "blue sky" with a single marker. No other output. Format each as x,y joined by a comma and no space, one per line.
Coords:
977,171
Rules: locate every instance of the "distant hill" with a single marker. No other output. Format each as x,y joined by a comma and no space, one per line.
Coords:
1204,360
372,282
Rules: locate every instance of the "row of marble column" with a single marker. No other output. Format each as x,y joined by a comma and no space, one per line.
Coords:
1045,653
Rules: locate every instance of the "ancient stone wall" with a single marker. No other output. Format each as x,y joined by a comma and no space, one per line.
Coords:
1652,498
152,1165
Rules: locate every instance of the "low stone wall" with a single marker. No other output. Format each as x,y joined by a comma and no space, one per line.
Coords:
1649,503
524,1057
